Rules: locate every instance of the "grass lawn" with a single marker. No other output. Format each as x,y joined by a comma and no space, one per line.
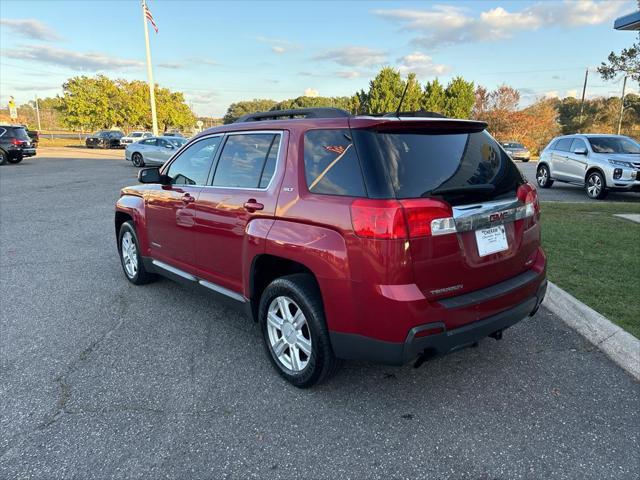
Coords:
596,257
60,142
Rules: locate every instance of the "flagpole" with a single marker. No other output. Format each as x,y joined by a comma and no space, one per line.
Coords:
152,94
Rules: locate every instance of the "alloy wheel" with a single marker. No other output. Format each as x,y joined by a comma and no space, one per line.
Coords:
129,254
594,185
542,177
289,334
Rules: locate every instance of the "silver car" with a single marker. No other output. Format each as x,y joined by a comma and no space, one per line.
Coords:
600,163
517,151
153,150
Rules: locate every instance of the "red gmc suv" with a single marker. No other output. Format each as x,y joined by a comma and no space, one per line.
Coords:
388,239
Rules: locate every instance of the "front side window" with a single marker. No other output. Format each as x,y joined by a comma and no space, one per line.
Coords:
193,164
578,144
331,163
247,160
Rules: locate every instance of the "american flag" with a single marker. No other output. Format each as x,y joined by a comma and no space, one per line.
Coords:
147,14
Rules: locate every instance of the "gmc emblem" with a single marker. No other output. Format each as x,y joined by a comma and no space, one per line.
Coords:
494,217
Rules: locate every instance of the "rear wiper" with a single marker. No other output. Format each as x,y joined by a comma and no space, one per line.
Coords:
483,188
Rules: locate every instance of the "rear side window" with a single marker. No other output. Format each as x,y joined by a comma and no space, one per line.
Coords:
461,167
331,163
564,144
244,160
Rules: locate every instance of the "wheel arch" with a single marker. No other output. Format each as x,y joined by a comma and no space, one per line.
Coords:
592,169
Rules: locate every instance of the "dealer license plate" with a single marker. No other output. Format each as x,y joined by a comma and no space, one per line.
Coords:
491,240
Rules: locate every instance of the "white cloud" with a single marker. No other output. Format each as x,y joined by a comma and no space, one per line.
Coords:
90,61
171,66
311,92
446,25
572,93
354,56
279,45
551,94
349,74
422,65
30,28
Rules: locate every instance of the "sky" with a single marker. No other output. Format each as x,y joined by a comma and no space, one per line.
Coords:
219,52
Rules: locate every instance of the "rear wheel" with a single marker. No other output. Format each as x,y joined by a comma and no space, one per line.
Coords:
3,158
595,186
543,177
137,160
294,331
130,259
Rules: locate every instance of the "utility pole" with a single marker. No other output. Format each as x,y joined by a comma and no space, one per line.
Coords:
584,90
152,94
624,86
38,113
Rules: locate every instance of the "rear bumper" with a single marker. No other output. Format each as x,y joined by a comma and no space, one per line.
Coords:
350,346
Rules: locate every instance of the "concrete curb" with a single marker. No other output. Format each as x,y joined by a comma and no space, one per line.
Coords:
622,347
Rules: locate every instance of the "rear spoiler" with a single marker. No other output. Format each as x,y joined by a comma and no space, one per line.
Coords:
417,125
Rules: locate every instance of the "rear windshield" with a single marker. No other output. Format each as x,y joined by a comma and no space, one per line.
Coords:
614,145
19,133
460,167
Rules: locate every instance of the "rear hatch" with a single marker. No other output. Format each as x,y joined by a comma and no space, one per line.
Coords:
20,139
465,202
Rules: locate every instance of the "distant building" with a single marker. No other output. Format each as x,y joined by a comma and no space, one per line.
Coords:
628,22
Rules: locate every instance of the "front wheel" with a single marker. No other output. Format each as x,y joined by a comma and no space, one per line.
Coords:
129,250
595,186
137,160
543,177
294,331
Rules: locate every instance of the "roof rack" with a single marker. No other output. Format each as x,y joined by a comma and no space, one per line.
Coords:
417,113
293,113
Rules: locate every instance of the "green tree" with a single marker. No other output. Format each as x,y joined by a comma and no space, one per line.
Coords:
459,98
385,91
627,62
433,99
238,109
413,97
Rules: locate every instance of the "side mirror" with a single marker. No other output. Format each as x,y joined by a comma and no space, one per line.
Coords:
152,175
580,151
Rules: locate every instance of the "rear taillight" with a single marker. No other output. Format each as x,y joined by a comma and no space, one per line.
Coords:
393,219
16,142
531,208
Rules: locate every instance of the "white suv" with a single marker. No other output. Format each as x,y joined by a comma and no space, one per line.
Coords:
598,162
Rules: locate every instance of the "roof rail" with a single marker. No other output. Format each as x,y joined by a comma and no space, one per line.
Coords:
293,113
417,113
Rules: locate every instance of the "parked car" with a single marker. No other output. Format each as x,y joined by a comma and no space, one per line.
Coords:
517,151
134,137
15,144
104,139
173,133
600,163
153,150
34,135
386,239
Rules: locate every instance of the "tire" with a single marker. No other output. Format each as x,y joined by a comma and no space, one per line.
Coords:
128,248
525,160
3,158
17,159
543,177
595,186
137,160
306,357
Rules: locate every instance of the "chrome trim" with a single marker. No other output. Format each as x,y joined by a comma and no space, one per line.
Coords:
475,216
275,170
174,270
223,291
211,286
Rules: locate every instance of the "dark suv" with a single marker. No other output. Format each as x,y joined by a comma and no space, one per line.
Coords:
388,239
104,139
15,144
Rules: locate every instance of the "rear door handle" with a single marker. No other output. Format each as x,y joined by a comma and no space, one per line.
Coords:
252,205
187,198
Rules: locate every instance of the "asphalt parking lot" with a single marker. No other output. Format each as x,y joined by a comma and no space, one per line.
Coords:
564,192
102,379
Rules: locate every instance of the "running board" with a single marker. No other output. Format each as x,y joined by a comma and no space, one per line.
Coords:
211,286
